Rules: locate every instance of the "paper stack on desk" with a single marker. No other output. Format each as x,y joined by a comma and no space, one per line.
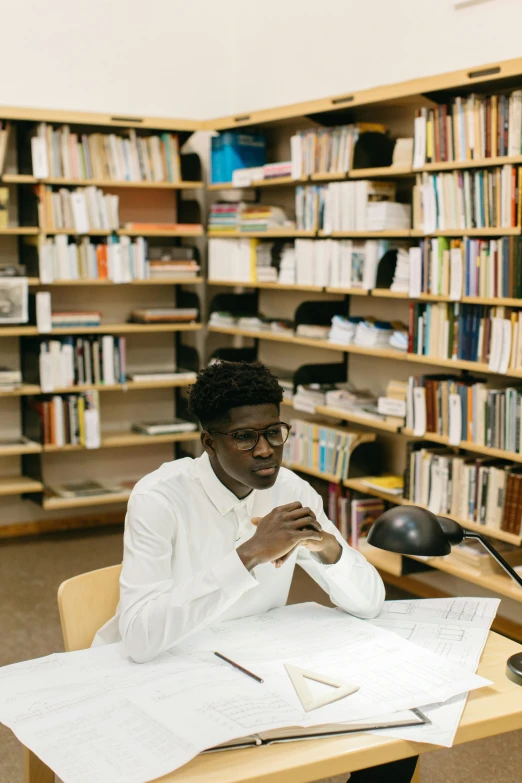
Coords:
94,716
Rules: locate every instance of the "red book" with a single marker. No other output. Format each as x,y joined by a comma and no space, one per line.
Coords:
514,197
101,257
411,326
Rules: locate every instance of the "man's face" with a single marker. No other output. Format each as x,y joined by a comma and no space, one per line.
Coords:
256,468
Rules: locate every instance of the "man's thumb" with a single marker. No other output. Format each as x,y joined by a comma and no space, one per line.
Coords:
256,520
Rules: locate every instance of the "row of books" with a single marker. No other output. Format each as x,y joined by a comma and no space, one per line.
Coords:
61,420
476,333
56,152
487,492
73,361
320,448
341,263
482,198
469,128
467,267
244,178
326,150
352,517
465,409
363,205
368,333
10,379
118,259
79,211
235,216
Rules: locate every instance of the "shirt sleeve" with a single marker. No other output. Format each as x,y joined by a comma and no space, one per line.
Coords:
352,583
155,612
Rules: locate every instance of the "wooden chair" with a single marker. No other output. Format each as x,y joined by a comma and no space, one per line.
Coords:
85,603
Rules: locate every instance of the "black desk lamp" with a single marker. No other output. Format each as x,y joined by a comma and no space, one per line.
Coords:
411,530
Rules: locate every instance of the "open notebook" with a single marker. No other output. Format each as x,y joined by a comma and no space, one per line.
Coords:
296,733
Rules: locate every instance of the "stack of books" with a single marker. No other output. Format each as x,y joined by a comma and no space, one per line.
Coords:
10,380
74,361
386,215
84,319
484,491
56,152
481,198
347,398
343,330
469,128
261,218
171,263
119,260
313,331
155,315
78,211
85,489
72,420
222,318
276,170
370,333
393,405
287,266
225,215
286,380
401,276
266,271
164,427
319,448
327,150
308,396
232,259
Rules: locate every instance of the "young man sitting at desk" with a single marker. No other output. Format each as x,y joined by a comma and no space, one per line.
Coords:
192,553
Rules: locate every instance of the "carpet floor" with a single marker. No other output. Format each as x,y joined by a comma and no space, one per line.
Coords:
30,572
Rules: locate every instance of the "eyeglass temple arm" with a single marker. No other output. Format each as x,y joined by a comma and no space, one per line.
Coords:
495,555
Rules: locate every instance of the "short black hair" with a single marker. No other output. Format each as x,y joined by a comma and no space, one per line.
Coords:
226,385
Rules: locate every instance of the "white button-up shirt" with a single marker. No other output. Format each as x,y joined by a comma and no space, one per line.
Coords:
181,570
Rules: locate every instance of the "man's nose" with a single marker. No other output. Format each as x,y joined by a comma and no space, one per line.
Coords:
263,448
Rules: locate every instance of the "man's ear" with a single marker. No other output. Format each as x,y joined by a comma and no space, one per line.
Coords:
207,442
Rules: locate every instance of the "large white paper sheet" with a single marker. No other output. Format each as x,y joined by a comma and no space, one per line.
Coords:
453,628
94,716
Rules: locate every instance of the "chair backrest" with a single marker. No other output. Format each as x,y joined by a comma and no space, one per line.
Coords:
85,603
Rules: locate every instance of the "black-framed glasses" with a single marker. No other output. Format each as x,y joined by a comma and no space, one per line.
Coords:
276,435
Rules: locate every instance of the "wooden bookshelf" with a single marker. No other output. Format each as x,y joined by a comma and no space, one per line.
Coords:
174,220
276,233
469,445
271,286
353,418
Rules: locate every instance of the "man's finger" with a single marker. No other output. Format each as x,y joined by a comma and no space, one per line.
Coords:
303,523
298,513
303,535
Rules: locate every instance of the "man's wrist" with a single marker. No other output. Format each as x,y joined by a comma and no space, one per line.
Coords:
332,550
248,555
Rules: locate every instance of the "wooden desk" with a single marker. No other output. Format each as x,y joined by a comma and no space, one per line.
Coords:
489,711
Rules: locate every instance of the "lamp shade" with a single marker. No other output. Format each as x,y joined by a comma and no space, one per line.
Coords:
411,530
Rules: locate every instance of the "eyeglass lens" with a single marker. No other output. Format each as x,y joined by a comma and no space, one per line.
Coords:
247,439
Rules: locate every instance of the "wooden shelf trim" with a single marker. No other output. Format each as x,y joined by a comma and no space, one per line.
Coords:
35,281
19,485
29,389
467,445
195,230
24,179
20,448
271,286
269,234
131,328
398,500
51,503
60,116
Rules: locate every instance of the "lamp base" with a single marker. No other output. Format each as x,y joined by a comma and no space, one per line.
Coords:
514,668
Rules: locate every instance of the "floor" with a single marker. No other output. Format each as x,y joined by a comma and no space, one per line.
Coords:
31,570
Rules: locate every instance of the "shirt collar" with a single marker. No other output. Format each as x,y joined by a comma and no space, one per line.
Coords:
223,499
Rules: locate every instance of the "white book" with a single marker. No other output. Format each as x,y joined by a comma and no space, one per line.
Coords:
46,369
55,353
45,261
296,153
371,263
39,157
59,425
419,142
67,368
43,312
108,359
92,428
79,209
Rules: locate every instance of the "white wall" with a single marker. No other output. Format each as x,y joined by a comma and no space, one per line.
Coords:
205,58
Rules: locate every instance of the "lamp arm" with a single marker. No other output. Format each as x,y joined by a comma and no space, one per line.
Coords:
495,555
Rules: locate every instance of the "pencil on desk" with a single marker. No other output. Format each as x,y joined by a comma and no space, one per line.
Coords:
240,668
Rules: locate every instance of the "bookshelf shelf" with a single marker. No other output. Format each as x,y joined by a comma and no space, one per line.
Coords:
398,233
387,172
479,163
21,331
128,438
188,231
19,485
347,291
20,231
24,179
51,503
35,281
398,500
281,233
20,448
312,472
257,334
476,232
468,445
353,418
272,286
29,389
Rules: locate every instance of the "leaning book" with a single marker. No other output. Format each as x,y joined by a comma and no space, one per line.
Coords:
165,427
81,489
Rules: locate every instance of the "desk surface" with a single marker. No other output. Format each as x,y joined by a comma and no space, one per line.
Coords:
490,710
